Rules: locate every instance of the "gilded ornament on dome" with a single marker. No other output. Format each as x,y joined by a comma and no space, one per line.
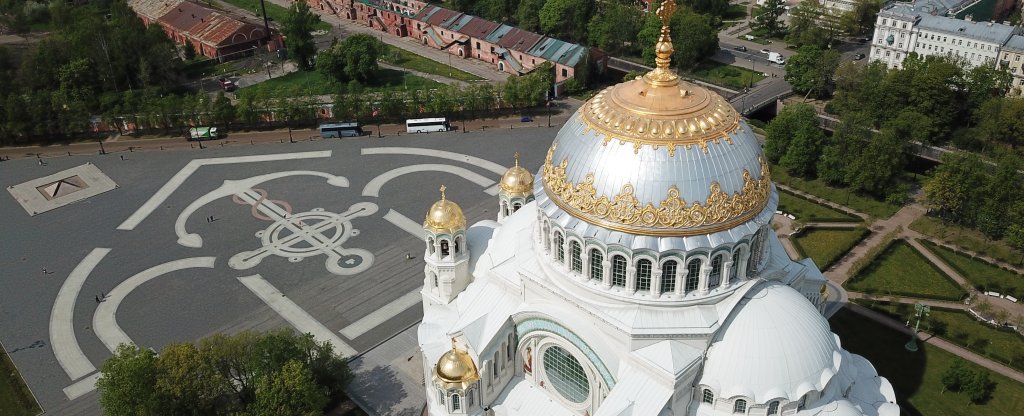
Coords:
445,216
672,216
517,181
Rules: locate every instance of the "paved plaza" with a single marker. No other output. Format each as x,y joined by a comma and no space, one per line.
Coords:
313,235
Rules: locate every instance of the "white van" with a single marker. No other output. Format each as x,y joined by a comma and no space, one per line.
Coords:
775,57
424,125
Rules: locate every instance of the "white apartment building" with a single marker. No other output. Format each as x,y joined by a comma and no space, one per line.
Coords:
1013,60
902,28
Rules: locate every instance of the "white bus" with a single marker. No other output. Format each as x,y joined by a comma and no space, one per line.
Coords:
424,125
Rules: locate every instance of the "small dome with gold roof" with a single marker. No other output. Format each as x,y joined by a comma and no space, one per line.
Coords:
456,368
444,217
517,180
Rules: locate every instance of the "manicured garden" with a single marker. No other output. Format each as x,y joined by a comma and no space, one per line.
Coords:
15,398
302,83
409,60
724,74
969,239
985,276
959,327
806,211
916,377
866,204
827,245
902,270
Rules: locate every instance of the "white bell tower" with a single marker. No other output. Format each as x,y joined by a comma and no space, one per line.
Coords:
447,254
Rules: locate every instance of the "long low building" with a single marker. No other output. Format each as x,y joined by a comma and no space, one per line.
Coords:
508,48
923,28
213,33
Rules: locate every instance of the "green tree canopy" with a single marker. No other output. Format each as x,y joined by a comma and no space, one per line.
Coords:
876,169
782,129
845,144
768,18
811,70
614,27
297,28
566,19
528,14
127,381
693,37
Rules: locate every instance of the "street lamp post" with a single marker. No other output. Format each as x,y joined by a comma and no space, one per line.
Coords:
920,311
750,79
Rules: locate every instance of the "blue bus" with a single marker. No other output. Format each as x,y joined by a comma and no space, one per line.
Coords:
344,129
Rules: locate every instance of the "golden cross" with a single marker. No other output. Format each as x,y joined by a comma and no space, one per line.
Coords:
665,11
442,194
453,343
517,158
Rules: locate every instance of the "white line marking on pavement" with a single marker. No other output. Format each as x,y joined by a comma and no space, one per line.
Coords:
294,314
472,160
104,320
382,315
82,387
172,184
492,191
403,222
373,187
62,331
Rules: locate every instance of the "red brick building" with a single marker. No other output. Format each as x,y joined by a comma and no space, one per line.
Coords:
212,33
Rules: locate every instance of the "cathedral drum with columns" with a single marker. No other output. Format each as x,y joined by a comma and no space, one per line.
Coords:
637,275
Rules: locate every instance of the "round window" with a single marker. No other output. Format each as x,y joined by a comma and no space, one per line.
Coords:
566,374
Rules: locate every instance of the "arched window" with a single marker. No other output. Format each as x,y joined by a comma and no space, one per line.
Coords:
456,405
430,246
740,406
458,243
773,408
444,248
619,271
504,208
504,346
575,256
496,361
734,275
715,278
559,249
434,278
547,241
516,206
692,275
754,259
469,398
643,275
709,397
668,276
596,270
511,347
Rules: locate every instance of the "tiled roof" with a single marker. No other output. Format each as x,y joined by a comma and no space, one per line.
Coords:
474,26
555,50
153,9
210,26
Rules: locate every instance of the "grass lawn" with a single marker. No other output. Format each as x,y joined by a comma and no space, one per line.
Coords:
15,398
866,204
735,12
827,245
901,270
962,329
306,82
724,74
916,376
806,211
274,12
967,238
983,275
406,59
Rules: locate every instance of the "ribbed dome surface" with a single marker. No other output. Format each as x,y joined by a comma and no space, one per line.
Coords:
776,346
444,217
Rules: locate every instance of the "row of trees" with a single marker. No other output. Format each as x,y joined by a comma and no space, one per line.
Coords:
856,156
611,25
96,53
811,23
275,373
967,191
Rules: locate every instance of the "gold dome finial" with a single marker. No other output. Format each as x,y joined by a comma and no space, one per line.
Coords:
517,181
516,156
442,192
662,76
445,217
455,368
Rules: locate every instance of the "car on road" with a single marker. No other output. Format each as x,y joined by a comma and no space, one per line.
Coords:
765,51
857,57
227,84
741,48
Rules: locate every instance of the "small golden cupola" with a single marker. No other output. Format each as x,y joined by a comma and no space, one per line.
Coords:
455,369
516,190
445,216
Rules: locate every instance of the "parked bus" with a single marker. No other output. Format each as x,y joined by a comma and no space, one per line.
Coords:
424,125
202,133
335,130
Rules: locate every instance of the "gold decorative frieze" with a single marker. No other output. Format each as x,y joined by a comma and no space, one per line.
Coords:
673,216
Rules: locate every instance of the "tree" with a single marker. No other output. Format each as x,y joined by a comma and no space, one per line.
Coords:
810,24
780,131
979,387
862,16
804,149
878,166
297,27
290,391
850,136
359,53
614,28
126,382
693,37
223,111
954,189
768,21
1014,236
810,71
954,378
496,10
716,8
528,14
189,51
566,19
1001,120
189,381
331,63
1001,191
